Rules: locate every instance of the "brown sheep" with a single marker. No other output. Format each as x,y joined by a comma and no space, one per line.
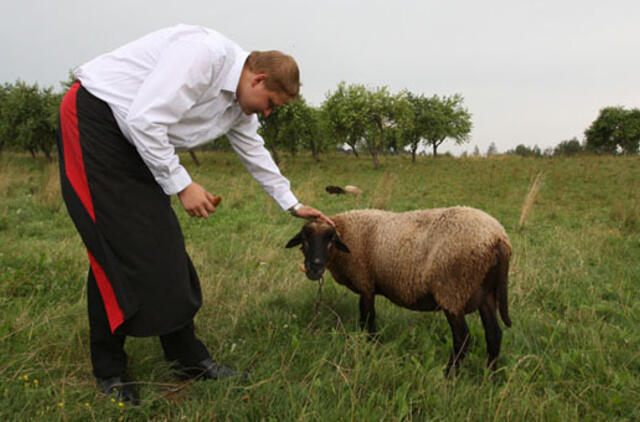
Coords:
450,259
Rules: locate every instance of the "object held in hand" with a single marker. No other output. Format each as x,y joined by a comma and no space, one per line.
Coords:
217,200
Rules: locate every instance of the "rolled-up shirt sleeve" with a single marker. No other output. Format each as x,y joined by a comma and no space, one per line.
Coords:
182,75
249,146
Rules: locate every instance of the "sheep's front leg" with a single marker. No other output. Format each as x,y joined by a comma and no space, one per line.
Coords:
460,333
368,313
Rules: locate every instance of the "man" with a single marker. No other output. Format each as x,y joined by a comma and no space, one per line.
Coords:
120,127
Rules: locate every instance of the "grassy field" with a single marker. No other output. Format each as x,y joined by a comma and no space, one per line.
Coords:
572,354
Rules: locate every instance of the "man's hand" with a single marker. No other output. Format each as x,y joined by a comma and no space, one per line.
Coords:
197,202
309,212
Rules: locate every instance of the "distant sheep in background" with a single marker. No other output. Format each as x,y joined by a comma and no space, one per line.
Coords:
347,189
450,259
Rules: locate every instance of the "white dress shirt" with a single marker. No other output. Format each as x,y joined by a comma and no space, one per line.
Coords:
173,90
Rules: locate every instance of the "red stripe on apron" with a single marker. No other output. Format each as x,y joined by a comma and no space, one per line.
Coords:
74,164
114,313
75,171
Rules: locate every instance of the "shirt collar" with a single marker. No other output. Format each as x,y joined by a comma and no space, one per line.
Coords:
233,77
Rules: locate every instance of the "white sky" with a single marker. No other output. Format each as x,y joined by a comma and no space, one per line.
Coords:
531,72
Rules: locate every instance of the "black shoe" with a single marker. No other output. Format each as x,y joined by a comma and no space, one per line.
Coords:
208,369
119,389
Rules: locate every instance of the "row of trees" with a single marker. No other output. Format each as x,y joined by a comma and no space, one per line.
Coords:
371,120
615,131
568,147
353,116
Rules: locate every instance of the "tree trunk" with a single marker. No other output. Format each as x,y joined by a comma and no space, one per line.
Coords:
376,163
276,157
316,155
353,148
194,158
435,150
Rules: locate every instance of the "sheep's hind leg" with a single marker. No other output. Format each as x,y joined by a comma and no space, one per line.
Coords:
368,313
460,332
492,331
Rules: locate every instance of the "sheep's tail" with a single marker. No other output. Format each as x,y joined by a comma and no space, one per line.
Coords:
504,253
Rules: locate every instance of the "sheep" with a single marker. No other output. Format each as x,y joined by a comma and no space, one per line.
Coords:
450,259
347,189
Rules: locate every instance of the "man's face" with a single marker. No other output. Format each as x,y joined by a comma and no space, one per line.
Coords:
255,97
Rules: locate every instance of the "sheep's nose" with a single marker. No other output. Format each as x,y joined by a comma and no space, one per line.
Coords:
315,265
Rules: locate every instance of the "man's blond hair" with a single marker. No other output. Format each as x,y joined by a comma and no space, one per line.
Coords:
281,70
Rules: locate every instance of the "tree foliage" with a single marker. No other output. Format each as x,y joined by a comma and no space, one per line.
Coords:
378,117
293,126
445,118
614,130
28,118
525,151
411,112
345,110
568,147
382,122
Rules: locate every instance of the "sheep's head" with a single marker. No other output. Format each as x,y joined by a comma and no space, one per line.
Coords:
317,239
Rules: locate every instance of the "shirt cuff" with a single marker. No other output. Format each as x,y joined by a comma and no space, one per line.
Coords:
287,201
176,182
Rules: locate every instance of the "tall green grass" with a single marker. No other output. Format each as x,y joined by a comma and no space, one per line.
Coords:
573,352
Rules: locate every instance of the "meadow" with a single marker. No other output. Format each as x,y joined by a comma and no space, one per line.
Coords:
573,352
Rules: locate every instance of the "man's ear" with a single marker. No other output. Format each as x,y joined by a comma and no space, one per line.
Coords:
257,78
295,240
340,244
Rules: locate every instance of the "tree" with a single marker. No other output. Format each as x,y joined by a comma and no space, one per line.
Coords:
615,129
411,113
568,147
345,111
492,150
524,151
446,118
300,127
320,137
29,118
290,126
270,129
378,118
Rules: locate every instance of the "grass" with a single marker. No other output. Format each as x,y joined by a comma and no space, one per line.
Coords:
573,352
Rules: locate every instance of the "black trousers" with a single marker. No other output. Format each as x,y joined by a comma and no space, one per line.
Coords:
107,350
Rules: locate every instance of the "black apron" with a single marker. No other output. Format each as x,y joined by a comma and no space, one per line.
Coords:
136,249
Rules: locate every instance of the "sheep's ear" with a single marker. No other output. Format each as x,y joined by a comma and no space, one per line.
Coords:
340,244
295,240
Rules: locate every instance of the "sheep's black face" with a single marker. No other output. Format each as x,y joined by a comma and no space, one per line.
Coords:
316,246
